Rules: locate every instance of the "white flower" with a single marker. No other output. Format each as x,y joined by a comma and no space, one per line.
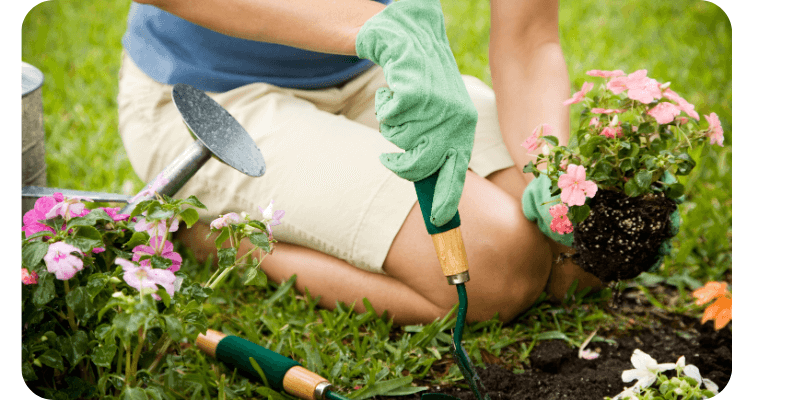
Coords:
645,370
693,372
628,393
545,149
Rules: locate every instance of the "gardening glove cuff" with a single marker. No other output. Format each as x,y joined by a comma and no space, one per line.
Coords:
426,109
536,203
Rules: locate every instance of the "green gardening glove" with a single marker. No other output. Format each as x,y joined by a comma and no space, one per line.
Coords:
536,203
426,109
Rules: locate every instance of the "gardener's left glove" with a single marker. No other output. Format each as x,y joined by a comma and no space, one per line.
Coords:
536,203
426,109
675,224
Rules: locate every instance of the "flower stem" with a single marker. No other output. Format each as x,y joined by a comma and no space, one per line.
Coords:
221,276
70,314
164,341
136,353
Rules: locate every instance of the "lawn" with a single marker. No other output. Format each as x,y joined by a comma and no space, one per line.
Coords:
77,45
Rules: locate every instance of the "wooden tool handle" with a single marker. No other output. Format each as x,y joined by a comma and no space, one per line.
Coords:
447,239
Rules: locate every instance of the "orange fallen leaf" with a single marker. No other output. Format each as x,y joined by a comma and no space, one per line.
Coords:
709,292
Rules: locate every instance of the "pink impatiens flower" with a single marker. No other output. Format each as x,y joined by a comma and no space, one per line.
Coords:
605,74
29,277
61,262
642,88
225,220
612,132
535,139
714,129
606,111
159,246
151,189
140,277
155,228
574,186
617,85
683,105
112,212
69,208
579,95
271,218
664,112
32,219
594,121
560,224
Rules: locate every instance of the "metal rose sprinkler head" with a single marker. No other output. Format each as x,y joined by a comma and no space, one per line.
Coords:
217,134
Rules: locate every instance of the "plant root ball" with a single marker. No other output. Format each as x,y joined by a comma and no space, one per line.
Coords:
620,238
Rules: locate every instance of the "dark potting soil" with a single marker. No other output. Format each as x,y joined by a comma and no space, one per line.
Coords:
556,372
620,238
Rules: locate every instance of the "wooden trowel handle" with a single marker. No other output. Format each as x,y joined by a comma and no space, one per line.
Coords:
447,239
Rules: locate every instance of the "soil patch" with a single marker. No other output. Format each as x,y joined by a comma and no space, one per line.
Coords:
556,372
621,237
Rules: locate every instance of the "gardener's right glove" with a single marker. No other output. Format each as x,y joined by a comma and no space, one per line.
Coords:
426,109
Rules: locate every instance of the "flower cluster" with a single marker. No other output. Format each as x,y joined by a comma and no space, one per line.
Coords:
646,371
634,133
721,309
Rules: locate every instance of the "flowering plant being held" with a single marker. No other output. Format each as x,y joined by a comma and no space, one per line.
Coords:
104,297
634,135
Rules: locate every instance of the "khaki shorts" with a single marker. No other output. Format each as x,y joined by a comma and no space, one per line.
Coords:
321,149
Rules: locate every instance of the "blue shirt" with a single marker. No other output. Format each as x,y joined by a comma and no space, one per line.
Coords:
172,50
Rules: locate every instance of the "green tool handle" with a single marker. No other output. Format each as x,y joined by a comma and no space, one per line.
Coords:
282,373
447,238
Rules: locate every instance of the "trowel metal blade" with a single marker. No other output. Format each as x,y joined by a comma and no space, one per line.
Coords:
437,396
218,130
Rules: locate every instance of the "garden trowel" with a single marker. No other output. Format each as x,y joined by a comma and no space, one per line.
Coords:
452,255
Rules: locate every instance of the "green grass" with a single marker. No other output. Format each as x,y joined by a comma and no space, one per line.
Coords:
77,45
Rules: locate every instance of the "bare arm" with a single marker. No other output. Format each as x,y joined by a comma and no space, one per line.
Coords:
529,74
327,26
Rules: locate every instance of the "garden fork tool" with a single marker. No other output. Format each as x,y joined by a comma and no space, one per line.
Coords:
216,134
281,373
452,255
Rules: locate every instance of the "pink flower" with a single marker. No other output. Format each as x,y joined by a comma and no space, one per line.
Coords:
715,133
617,85
139,277
664,112
612,131
98,250
61,262
165,251
535,139
31,219
112,212
594,121
683,120
151,189
273,219
642,88
605,74
606,111
155,228
29,277
683,105
69,208
579,95
574,186
225,220
560,224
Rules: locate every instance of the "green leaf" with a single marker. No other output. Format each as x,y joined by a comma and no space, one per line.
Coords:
528,168
587,149
577,214
626,165
159,213
134,394
136,239
90,219
52,358
601,171
226,256
75,347
254,276
381,388
141,206
551,140
28,373
103,354
86,238
632,189
193,201
45,290
261,240
685,164
675,190
97,282
80,302
550,335
189,216
33,253
643,179
160,262
174,327
223,236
